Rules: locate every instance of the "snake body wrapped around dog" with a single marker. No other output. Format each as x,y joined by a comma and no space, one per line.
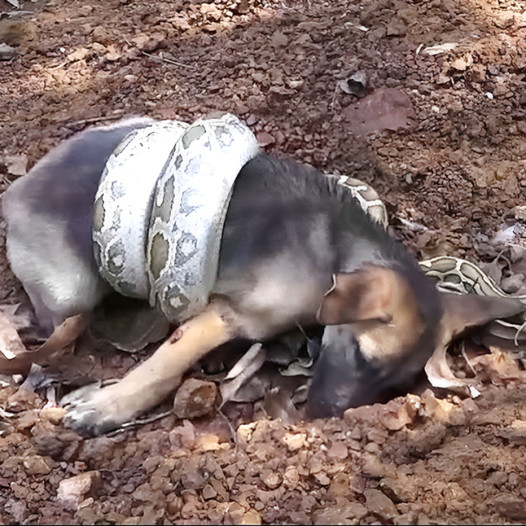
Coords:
160,207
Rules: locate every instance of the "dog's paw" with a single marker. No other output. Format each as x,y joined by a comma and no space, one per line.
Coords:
92,410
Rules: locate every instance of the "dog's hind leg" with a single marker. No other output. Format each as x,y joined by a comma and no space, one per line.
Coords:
96,411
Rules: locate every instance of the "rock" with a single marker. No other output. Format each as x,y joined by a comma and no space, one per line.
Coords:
71,492
54,415
265,139
6,52
211,12
195,398
278,39
519,212
100,34
16,164
242,8
182,436
398,413
251,517
18,509
384,109
380,504
511,506
272,479
295,441
22,400
338,451
462,63
396,28
291,477
516,433
505,20
208,492
37,465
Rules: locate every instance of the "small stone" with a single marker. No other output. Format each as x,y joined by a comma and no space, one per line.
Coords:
211,12
291,477
374,467
209,492
183,436
251,517
462,63
16,164
53,414
100,34
339,486
27,420
272,479
265,139
397,414
396,28
516,433
519,212
6,52
511,506
505,20
242,8
71,492
295,441
338,451
278,39
37,465
195,398
380,504
322,478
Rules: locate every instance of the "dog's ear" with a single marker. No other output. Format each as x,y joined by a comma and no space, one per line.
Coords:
464,311
461,313
370,293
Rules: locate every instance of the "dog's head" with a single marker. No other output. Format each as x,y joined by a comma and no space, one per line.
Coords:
382,326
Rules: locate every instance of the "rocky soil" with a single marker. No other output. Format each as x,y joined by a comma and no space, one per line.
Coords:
426,101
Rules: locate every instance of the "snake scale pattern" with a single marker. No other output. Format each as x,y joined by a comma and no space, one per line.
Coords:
161,205
160,208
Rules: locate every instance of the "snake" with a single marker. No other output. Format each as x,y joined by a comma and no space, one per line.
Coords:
161,204
160,207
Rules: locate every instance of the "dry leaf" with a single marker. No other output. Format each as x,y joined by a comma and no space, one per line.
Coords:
64,335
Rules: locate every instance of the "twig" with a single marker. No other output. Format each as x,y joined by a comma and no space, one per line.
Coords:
61,65
96,119
231,429
139,422
155,57
465,356
162,59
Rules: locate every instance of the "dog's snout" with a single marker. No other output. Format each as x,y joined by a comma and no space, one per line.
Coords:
345,377
342,378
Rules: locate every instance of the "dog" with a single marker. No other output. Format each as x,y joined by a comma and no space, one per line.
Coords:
296,249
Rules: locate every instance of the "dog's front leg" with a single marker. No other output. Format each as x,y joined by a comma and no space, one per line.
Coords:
96,411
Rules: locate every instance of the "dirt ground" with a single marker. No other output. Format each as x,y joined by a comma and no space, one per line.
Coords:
445,148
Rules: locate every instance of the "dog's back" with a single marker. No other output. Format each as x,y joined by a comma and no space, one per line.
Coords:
49,221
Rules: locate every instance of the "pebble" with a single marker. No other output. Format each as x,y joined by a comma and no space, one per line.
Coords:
195,398
37,465
71,492
380,504
6,52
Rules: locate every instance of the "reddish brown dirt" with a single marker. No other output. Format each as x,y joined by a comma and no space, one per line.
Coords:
452,177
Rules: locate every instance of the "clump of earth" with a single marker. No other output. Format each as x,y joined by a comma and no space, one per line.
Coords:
425,101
